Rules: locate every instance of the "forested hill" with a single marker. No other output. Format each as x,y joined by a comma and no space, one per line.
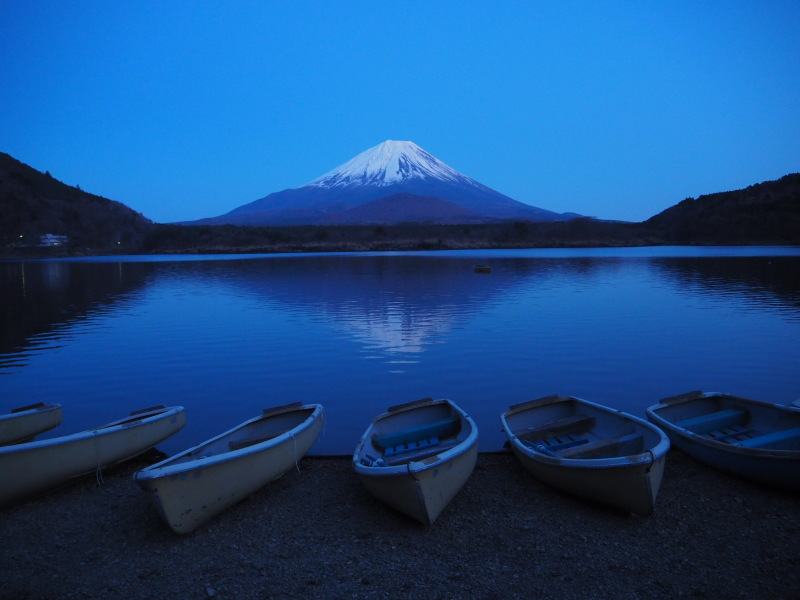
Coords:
767,212
34,203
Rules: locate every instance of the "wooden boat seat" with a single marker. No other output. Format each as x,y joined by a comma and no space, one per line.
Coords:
420,454
729,435
605,448
776,438
246,443
553,445
715,421
439,429
27,408
574,424
406,447
556,443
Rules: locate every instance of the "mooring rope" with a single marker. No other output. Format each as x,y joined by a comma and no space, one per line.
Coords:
98,473
296,465
652,461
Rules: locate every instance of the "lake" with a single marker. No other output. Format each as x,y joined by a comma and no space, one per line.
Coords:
226,336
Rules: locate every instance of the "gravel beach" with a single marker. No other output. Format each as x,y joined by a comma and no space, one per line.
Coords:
315,533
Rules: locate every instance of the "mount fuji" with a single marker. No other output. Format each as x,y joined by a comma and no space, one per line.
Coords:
391,182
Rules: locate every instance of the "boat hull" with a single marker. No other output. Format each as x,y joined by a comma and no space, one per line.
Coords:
35,467
24,424
189,493
423,491
624,456
420,484
776,466
630,488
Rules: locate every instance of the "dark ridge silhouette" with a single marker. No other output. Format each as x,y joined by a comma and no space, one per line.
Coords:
34,203
767,212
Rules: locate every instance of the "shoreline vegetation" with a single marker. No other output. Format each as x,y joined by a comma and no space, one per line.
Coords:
316,533
234,239
388,238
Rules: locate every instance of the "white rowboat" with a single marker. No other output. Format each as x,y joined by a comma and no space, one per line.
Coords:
417,456
752,439
31,468
589,450
25,423
193,486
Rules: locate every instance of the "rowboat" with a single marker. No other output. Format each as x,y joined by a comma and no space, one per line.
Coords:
747,438
589,450
25,423
417,456
190,488
34,467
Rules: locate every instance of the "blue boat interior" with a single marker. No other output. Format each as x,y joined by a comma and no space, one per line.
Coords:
439,429
239,444
716,421
734,426
785,439
417,442
575,437
413,446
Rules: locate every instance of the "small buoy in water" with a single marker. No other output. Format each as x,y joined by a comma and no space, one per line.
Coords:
482,269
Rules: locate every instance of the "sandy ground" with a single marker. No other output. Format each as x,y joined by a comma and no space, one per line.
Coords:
315,533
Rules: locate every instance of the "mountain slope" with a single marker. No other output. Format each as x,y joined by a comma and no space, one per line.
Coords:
405,208
767,212
387,169
390,163
34,203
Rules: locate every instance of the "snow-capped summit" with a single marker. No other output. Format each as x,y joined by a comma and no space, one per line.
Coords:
388,163
403,176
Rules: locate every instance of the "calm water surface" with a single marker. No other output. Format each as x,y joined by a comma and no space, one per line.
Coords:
226,336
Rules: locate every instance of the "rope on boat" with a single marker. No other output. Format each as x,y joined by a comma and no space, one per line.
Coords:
652,461
98,472
296,465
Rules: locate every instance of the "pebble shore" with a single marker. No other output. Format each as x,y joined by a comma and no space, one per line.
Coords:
315,533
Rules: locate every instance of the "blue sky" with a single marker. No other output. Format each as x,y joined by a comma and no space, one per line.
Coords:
183,110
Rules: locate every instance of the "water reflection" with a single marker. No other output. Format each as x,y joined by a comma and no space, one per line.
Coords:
392,303
757,282
402,304
38,299
227,338
395,305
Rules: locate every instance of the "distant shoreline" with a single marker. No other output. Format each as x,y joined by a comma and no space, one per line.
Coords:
36,253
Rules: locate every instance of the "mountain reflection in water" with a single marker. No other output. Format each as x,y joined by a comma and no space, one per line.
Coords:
228,336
